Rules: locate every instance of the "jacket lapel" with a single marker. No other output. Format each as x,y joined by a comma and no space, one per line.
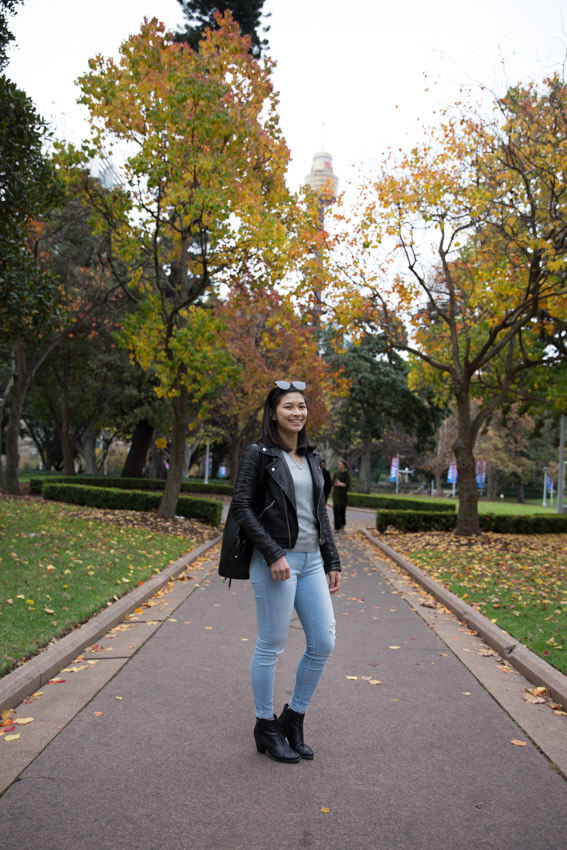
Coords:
276,467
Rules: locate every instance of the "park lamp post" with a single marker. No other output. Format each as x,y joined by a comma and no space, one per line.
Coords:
545,474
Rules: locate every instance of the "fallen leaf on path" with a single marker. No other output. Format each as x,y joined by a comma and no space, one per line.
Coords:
23,721
12,737
532,697
325,810
394,647
518,743
56,681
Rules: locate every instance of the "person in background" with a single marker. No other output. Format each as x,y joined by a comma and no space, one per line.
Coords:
340,495
279,503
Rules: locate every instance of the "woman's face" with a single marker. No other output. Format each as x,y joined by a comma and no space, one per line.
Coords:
290,416
342,466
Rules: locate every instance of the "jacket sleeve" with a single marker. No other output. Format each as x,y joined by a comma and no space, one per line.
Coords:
329,552
244,505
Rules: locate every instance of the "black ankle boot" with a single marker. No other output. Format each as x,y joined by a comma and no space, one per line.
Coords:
268,736
292,727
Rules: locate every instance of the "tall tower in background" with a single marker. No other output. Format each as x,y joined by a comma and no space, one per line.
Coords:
324,182
321,177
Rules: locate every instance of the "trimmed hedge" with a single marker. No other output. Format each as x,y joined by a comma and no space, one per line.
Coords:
374,500
409,521
412,521
111,498
36,484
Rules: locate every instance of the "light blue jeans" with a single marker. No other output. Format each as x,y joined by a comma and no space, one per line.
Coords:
307,590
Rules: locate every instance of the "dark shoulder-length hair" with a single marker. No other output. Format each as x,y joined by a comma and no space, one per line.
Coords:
269,433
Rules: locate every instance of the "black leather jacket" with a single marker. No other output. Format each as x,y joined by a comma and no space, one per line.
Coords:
264,504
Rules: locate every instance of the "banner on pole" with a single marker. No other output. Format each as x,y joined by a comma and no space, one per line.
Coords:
394,468
481,474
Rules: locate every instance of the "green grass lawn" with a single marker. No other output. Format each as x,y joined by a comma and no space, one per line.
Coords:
59,566
516,581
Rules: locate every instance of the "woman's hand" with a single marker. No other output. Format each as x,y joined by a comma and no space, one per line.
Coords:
334,581
280,569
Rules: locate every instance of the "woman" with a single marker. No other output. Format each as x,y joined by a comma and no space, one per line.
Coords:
340,490
280,505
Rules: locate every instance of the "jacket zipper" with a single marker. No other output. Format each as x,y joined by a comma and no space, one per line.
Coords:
267,508
286,518
321,540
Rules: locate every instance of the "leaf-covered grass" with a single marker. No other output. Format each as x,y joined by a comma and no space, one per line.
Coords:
516,581
60,565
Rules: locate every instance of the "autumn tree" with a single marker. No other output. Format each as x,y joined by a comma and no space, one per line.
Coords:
378,398
439,459
203,164
504,445
200,15
268,341
459,256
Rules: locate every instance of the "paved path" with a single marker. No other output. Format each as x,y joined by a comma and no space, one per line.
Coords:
162,756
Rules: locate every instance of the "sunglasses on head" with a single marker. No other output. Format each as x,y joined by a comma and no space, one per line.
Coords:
290,385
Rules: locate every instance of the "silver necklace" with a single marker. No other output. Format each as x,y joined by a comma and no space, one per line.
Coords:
293,460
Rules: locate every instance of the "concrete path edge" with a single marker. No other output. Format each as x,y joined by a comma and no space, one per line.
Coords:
535,669
25,680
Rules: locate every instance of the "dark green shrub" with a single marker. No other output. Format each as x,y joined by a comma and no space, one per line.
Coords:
110,498
215,488
416,521
412,521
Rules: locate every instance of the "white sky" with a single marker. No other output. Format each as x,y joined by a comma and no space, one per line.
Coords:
357,67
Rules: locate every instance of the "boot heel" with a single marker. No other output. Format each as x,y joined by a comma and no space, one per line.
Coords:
260,747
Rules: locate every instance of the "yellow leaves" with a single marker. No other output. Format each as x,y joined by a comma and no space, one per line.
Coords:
518,743
367,679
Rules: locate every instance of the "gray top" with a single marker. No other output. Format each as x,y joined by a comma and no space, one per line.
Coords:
308,536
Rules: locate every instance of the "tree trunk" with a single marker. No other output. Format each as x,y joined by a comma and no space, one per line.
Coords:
189,452
87,450
168,503
438,481
363,485
3,402
19,390
467,520
139,447
66,443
